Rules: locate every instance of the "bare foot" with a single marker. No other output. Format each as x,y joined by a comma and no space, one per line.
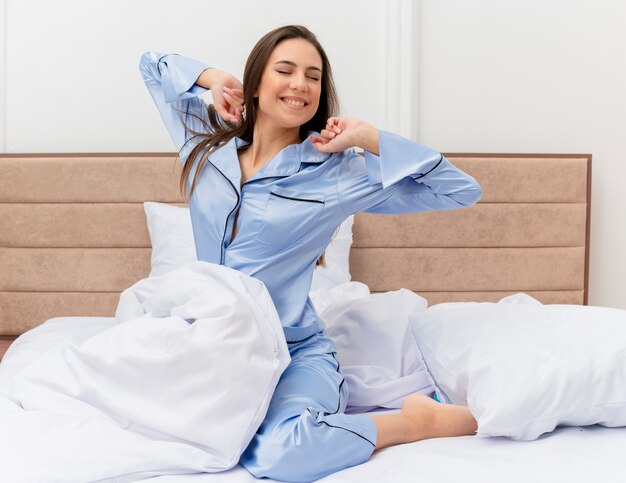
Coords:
422,418
436,420
420,411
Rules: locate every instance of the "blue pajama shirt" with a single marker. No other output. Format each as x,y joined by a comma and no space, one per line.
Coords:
287,214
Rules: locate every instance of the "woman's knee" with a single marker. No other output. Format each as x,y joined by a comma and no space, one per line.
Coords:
290,451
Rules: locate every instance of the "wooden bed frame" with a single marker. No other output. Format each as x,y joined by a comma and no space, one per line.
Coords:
73,234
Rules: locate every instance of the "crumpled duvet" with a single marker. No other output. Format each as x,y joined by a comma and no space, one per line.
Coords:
179,385
182,379
379,358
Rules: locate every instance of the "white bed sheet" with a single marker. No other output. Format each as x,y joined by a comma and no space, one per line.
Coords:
569,454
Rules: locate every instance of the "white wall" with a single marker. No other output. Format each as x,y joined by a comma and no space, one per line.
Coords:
493,76
71,66
3,35
535,76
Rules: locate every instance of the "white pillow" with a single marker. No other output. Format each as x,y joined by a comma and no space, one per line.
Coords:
378,355
337,269
173,246
171,235
525,368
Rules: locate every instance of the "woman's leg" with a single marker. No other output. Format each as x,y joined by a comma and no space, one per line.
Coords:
423,418
305,434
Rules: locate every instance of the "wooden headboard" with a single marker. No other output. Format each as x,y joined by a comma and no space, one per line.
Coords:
73,234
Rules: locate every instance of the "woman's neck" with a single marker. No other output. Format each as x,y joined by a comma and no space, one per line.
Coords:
267,143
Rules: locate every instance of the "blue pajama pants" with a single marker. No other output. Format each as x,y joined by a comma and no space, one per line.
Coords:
305,435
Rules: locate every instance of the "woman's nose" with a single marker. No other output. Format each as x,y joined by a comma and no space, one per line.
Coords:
298,82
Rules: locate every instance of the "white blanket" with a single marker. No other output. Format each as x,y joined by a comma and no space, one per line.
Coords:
375,347
171,389
179,385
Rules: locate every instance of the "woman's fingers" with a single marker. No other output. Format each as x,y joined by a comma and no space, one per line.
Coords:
228,98
333,125
227,106
233,101
327,133
236,94
316,139
224,113
236,113
233,98
235,105
235,91
221,110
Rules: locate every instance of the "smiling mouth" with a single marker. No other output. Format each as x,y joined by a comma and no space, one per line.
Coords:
293,103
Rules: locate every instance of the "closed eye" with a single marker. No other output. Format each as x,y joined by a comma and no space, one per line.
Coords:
283,72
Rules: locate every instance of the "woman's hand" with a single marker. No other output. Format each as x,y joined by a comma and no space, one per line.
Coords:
345,132
227,93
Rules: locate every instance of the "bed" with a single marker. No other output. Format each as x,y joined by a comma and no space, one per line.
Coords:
529,232
73,236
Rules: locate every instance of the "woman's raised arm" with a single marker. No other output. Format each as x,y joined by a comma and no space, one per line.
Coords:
175,83
396,175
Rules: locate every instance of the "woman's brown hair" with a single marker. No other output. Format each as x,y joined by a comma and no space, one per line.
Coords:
219,132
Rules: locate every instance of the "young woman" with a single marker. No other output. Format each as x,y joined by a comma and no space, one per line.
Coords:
266,191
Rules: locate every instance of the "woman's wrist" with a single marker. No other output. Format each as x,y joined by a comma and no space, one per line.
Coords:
369,139
207,77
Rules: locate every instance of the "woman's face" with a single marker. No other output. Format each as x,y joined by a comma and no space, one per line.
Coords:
291,83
